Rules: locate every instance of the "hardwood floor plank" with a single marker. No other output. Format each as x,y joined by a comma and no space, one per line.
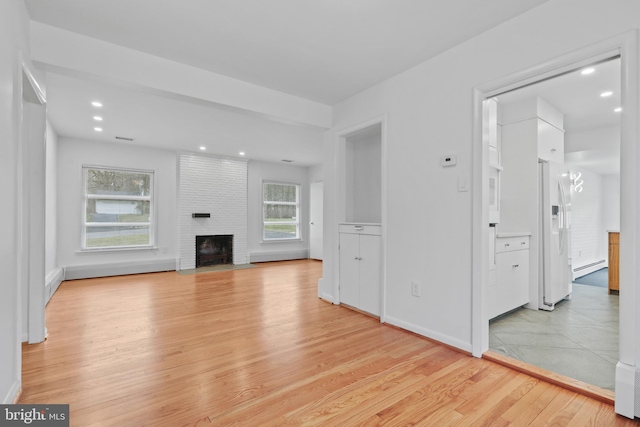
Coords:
257,347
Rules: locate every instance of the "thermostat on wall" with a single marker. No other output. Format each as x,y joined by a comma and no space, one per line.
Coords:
449,160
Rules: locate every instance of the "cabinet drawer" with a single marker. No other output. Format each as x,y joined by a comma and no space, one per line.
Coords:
507,244
373,229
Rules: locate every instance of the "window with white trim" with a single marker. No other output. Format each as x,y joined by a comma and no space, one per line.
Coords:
281,211
118,208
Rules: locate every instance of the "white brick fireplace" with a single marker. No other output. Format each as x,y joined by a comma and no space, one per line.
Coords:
215,186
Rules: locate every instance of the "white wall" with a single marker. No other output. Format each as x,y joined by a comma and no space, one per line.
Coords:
588,241
217,186
611,202
265,171
14,24
363,177
72,155
51,229
429,112
315,173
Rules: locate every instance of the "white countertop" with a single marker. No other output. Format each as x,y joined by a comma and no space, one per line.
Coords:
514,234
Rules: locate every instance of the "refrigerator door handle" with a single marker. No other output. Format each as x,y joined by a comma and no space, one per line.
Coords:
562,224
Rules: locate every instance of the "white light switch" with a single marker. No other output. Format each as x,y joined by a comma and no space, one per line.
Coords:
463,185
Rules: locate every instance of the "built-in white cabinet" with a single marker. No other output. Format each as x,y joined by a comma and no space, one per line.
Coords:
360,266
550,142
510,289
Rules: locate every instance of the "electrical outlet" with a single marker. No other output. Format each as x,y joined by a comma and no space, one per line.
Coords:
415,289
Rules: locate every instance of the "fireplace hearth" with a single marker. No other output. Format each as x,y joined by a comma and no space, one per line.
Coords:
214,250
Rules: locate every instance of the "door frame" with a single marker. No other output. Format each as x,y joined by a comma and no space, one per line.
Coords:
626,46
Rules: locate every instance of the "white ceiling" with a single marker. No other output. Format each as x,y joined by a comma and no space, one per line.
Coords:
592,135
321,50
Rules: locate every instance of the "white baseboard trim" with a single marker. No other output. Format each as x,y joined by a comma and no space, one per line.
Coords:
52,282
445,339
327,297
626,377
278,255
73,272
12,393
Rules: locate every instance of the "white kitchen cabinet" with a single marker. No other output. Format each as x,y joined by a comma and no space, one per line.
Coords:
550,142
511,287
360,266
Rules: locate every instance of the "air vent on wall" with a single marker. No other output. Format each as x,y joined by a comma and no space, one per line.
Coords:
122,138
287,161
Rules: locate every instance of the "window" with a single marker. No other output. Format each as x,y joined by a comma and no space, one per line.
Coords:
281,211
118,208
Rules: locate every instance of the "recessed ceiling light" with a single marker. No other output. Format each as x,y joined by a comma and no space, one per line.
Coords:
605,94
96,104
97,118
203,147
98,129
241,153
617,110
587,71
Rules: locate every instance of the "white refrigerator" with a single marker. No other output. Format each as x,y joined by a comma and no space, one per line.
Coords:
555,234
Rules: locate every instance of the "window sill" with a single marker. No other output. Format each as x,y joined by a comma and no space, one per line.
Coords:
101,250
282,241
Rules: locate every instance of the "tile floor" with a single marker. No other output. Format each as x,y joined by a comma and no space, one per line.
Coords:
578,339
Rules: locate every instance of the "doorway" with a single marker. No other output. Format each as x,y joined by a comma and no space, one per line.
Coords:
574,333
625,47
316,220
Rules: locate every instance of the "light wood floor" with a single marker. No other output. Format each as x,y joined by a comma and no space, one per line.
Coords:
258,348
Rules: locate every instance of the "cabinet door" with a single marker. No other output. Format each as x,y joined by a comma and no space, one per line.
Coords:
349,269
370,271
513,280
550,142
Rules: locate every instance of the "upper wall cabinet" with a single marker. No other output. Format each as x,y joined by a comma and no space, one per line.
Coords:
363,175
549,136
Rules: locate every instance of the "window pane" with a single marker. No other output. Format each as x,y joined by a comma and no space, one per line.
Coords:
280,193
280,231
118,210
117,236
120,183
280,212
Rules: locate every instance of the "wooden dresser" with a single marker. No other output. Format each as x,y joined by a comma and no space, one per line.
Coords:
614,262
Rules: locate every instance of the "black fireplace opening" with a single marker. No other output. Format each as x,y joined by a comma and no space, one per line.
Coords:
214,250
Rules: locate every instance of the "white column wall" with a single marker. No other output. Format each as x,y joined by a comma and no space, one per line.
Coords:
14,26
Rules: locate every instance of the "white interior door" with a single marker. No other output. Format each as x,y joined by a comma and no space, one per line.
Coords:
315,220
